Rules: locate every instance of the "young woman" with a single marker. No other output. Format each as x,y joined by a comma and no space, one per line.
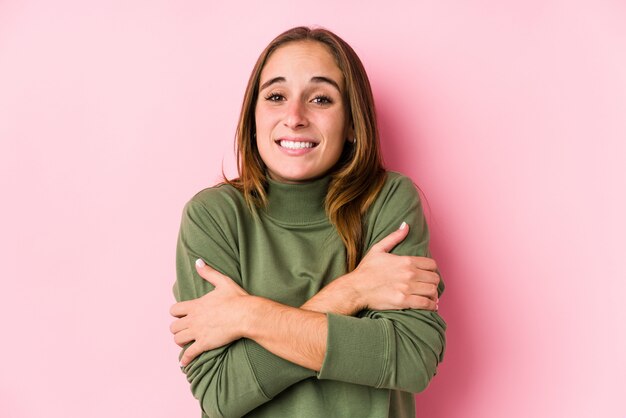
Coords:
304,286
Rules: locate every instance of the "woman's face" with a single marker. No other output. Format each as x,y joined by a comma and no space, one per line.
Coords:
300,114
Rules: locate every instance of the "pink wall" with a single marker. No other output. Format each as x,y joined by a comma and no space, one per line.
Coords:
510,115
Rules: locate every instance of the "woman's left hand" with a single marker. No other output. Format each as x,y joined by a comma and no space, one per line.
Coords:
212,320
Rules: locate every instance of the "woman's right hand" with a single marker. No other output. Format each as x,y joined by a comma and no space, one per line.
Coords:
388,281
382,281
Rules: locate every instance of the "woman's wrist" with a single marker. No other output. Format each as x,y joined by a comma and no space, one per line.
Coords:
340,296
255,307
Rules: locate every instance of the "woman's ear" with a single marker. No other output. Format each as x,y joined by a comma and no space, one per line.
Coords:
350,135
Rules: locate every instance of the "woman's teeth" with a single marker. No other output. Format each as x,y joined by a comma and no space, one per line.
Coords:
296,144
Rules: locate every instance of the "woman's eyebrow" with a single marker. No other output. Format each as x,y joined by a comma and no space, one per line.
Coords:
322,79
316,79
272,81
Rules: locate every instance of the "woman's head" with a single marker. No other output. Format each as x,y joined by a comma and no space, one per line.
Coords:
308,111
338,59
301,123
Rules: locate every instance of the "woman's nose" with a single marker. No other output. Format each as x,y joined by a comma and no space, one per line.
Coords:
296,115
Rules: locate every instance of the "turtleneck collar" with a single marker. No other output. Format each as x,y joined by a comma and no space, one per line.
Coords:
297,203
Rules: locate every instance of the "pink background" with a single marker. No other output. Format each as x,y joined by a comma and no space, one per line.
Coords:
511,116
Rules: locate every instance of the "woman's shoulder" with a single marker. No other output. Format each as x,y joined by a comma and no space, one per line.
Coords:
397,202
399,186
398,194
219,199
218,193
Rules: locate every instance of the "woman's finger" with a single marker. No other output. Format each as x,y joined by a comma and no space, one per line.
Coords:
208,273
183,337
424,263
179,325
427,276
421,302
427,290
390,241
191,353
180,309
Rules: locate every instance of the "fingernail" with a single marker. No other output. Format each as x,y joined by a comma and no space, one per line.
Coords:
403,225
200,263
437,307
181,364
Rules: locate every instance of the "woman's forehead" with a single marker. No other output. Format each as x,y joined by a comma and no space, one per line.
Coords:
301,59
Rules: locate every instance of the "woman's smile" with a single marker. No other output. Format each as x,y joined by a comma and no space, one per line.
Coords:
296,146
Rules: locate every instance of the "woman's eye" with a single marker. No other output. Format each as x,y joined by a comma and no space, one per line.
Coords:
274,97
322,100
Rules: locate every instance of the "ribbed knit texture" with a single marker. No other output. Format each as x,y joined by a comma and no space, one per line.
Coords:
287,253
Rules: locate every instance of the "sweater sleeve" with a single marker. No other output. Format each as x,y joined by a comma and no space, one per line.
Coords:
395,349
234,379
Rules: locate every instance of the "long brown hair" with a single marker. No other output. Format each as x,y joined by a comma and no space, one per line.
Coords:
358,176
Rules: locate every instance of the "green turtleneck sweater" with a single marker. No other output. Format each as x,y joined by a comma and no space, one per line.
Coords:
287,252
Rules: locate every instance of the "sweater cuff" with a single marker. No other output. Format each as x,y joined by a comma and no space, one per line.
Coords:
273,374
357,350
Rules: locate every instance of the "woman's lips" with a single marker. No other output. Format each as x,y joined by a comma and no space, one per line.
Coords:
296,146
